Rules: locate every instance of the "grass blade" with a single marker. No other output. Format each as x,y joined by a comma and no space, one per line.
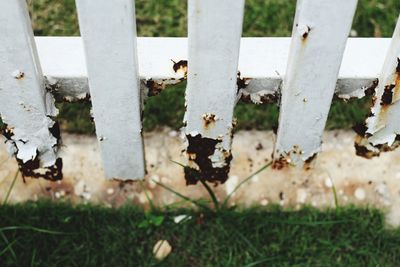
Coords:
245,181
206,186
211,193
31,228
11,187
147,196
180,195
9,247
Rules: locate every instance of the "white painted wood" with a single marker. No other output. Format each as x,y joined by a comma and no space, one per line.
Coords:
318,41
63,61
24,104
383,126
214,30
108,29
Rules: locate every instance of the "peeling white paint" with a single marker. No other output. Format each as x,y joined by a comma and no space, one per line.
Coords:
214,42
362,60
383,125
24,103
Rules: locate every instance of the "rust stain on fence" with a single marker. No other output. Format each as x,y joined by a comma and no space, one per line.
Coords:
286,158
242,82
32,168
209,120
180,66
389,97
201,167
308,162
281,163
18,74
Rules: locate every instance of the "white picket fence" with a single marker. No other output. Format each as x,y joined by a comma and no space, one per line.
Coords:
302,72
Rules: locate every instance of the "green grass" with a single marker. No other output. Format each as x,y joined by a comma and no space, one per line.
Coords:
56,234
168,18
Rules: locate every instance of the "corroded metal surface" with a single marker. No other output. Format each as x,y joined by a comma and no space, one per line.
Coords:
319,39
361,65
211,92
381,131
26,108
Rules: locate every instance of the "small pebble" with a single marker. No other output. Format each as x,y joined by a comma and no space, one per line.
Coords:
359,193
161,249
110,191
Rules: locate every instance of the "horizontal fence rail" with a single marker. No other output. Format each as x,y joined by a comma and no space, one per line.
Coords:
117,71
63,64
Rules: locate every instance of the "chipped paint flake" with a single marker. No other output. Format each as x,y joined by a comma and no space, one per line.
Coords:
26,108
381,131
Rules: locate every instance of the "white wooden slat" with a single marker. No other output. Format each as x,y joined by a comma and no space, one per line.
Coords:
108,30
319,38
214,29
25,106
382,129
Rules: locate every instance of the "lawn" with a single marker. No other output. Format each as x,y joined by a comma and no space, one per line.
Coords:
374,18
57,234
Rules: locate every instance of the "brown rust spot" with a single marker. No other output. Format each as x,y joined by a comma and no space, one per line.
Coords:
241,82
398,66
209,119
308,161
368,150
154,87
180,66
7,132
364,152
360,129
264,99
387,95
259,146
200,149
305,34
20,75
280,163
31,168
370,90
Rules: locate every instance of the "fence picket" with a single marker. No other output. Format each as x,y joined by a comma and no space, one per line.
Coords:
25,106
108,29
215,29
319,37
382,129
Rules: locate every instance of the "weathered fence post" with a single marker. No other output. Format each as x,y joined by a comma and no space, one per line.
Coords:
382,130
108,30
319,38
215,28
25,106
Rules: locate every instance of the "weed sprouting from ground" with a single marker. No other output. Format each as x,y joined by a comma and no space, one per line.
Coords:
217,205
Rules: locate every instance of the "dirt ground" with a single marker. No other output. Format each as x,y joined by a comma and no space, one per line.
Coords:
374,182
